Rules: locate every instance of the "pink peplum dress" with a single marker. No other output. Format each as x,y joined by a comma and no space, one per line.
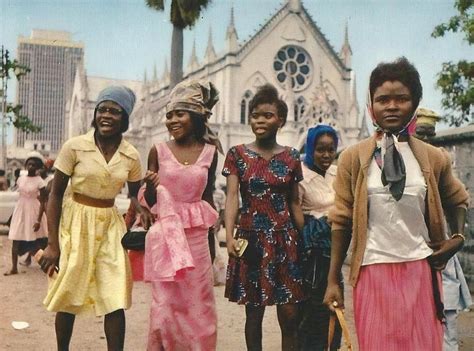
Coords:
177,257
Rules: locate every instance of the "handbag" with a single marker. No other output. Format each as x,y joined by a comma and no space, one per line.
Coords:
134,239
345,330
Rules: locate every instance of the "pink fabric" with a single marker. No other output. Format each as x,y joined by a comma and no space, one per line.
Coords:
167,253
27,209
394,308
183,314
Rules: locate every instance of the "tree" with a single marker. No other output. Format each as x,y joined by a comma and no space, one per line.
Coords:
456,80
11,113
183,14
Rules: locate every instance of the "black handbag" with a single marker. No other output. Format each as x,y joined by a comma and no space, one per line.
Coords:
134,239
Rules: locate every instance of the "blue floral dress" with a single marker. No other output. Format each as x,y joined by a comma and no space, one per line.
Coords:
269,271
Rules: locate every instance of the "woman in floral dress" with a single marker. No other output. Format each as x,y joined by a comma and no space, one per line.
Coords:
268,272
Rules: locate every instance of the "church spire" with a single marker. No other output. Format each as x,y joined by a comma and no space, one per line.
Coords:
231,36
294,6
346,51
166,73
155,74
193,60
145,80
210,52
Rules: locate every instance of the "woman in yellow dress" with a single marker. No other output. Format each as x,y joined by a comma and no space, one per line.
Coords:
85,230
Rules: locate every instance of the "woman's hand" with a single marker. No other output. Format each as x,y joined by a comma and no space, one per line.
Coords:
333,297
152,178
443,251
232,247
49,259
36,226
146,218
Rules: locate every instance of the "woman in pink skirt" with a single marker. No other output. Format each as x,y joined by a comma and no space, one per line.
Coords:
177,259
391,190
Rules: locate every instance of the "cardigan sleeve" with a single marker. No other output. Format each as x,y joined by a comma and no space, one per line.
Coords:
453,193
341,213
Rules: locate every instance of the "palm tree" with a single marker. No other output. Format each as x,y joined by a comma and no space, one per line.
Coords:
183,14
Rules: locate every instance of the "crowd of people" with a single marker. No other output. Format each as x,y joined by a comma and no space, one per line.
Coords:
289,220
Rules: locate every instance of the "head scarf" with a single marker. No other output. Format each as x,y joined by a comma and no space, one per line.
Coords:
35,155
194,97
313,136
121,95
392,165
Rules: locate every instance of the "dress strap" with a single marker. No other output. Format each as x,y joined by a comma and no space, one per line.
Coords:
207,155
160,150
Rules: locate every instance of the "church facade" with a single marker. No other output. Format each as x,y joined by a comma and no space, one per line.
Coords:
288,51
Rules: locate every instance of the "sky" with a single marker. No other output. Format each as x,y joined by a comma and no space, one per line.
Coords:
123,38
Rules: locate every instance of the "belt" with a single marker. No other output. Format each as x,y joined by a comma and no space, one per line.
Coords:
92,202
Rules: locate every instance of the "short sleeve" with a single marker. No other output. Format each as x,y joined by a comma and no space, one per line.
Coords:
41,183
66,159
230,163
297,171
135,173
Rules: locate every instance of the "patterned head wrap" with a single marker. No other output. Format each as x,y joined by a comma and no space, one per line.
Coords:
313,135
393,167
194,97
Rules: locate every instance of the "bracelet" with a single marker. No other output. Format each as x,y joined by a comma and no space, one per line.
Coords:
459,235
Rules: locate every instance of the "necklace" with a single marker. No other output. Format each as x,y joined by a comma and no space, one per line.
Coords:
97,142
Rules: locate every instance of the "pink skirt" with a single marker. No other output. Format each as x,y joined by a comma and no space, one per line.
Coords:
183,313
394,308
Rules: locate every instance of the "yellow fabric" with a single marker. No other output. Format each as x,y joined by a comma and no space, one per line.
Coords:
94,271
80,155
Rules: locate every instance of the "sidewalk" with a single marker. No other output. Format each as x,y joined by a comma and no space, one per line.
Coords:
21,296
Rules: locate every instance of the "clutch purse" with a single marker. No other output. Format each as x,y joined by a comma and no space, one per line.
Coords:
134,239
242,245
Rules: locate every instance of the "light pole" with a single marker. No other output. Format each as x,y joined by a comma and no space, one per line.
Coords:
4,75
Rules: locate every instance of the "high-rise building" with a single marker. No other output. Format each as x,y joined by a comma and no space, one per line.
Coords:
52,57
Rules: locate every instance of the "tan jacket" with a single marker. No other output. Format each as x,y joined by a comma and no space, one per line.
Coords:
444,190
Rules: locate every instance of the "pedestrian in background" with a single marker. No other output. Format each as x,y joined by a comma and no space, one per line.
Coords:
316,195
28,223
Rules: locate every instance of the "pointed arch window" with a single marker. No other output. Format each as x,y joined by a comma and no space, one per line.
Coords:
300,108
244,107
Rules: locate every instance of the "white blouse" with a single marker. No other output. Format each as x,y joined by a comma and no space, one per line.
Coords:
315,192
396,230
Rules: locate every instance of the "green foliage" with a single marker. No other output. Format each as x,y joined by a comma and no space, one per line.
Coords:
183,13
456,80
12,113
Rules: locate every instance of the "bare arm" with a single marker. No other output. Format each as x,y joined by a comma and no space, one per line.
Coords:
146,217
42,199
295,207
340,241
230,213
211,183
51,253
151,178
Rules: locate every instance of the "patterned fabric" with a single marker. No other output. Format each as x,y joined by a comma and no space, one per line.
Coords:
271,274
94,271
26,210
183,312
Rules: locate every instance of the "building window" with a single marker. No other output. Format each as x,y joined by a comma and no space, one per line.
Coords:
293,63
300,107
244,107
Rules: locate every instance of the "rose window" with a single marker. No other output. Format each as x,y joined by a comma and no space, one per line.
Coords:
293,63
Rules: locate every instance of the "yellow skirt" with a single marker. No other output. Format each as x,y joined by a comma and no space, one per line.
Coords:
94,271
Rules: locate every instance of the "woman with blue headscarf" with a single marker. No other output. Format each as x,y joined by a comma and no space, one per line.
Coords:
86,228
317,197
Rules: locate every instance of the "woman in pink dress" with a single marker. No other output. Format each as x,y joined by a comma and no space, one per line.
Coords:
28,223
183,314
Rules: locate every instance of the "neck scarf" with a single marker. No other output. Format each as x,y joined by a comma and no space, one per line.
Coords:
387,151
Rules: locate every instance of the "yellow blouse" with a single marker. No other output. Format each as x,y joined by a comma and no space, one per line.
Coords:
90,174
